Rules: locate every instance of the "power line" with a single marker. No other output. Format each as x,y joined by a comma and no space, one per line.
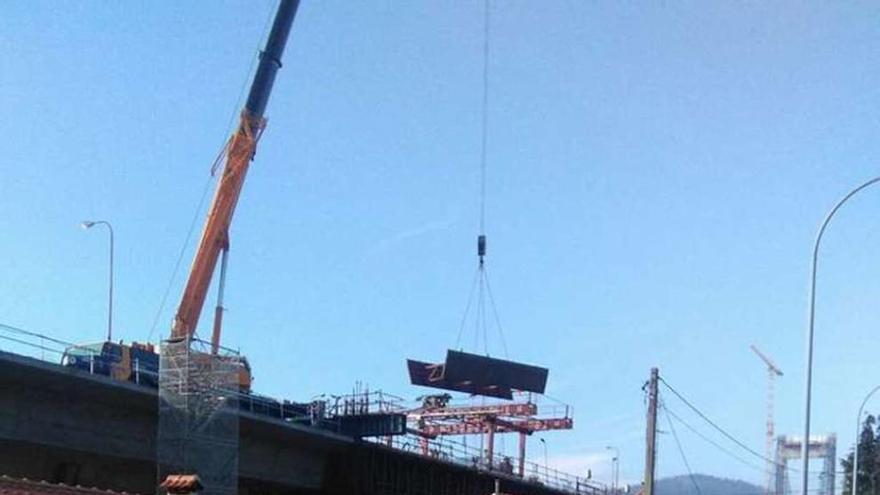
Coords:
680,449
715,425
670,414
728,435
709,440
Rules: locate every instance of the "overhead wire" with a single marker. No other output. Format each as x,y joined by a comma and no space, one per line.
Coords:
715,425
681,450
713,442
670,414
726,434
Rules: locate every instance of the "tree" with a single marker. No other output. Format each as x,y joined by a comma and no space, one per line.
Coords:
869,461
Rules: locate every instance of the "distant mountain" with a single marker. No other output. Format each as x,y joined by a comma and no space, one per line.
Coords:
709,485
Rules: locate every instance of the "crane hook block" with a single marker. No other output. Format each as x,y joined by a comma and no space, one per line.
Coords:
481,246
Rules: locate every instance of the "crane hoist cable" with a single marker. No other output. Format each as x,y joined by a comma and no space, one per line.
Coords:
215,165
480,284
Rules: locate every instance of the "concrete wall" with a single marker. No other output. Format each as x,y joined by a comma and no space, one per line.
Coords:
63,425
59,424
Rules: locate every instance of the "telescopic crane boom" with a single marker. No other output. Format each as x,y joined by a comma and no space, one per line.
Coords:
239,152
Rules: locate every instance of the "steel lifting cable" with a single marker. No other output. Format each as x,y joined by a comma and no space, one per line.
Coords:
481,281
181,254
495,313
467,308
485,119
212,175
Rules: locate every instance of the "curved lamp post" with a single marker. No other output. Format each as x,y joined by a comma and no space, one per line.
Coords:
87,225
805,445
855,473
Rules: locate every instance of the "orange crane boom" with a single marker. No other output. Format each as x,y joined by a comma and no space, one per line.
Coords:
239,152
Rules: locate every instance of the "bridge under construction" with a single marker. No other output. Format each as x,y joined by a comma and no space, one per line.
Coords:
65,425
135,417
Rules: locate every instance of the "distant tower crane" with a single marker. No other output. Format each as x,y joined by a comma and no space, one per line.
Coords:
772,372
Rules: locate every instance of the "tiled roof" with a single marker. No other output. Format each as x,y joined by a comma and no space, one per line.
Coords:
24,486
182,483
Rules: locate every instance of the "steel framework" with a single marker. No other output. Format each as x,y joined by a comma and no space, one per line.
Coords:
823,447
436,418
773,372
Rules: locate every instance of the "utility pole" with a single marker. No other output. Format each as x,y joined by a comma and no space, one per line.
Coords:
651,436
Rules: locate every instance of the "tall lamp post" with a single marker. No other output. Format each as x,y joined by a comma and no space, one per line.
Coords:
615,467
855,470
546,466
87,225
805,445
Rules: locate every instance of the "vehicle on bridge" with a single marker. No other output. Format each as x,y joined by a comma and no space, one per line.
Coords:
139,363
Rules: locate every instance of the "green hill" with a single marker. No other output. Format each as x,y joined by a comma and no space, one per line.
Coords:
709,485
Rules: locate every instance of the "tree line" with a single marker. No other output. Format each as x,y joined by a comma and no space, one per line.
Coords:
869,460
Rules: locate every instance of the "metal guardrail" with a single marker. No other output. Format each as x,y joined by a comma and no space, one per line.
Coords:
55,351
52,350
464,455
32,344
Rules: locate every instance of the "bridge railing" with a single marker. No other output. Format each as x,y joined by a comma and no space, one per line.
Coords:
37,345
56,351
461,453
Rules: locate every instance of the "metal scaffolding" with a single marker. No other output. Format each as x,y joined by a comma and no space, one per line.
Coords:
198,415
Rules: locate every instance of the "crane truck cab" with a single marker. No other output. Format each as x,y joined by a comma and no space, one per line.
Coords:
137,362
133,362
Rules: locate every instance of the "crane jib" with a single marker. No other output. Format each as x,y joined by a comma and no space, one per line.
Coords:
239,152
270,58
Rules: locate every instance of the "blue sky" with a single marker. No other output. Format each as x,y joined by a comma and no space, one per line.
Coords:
656,174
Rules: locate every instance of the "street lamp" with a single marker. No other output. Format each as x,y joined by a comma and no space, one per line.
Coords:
615,467
855,473
87,225
544,443
805,445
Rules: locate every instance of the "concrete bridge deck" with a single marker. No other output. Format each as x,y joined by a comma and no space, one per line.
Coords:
65,425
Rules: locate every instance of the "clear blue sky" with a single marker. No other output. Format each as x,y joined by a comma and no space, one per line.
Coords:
656,176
